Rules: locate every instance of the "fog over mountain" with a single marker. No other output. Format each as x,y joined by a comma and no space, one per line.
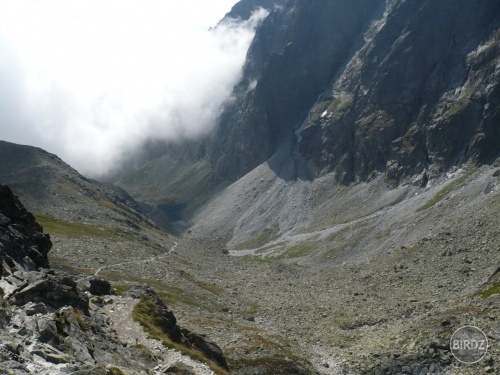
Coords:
90,81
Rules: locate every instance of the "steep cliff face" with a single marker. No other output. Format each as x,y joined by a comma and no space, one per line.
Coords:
421,94
21,238
295,55
361,87
404,87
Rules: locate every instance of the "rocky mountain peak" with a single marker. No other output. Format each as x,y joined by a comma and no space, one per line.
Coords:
393,88
243,9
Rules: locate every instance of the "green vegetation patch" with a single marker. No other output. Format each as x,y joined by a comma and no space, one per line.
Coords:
65,265
145,313
455,184
120,289
348,237
495,289
263,238
212,288
297,251
61,228
171,295
251,258
325,114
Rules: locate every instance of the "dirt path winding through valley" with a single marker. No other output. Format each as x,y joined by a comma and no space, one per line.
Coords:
150,259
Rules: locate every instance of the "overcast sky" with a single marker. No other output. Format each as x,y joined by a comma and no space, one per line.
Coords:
90,80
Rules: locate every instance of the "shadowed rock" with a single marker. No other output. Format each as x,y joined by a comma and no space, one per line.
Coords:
22,241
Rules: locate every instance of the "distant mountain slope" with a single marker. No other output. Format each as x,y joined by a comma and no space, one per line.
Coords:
88,219
50,187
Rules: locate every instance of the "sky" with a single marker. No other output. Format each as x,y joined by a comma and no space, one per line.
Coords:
92,80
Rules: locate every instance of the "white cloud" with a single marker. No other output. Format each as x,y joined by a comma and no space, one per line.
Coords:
90,80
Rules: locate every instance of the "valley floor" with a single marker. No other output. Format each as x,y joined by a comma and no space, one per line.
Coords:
392,313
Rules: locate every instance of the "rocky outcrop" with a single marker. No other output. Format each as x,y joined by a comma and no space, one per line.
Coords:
166,321
99,287
44,287
47,325
24,249
23,245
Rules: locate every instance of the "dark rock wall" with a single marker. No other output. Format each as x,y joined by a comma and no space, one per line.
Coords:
422,93
397,87
22,241
295,55
407,86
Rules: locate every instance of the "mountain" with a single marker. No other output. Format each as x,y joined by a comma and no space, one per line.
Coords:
51,188
360,88
353,180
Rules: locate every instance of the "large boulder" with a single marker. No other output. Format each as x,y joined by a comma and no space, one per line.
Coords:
207,348
99,287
